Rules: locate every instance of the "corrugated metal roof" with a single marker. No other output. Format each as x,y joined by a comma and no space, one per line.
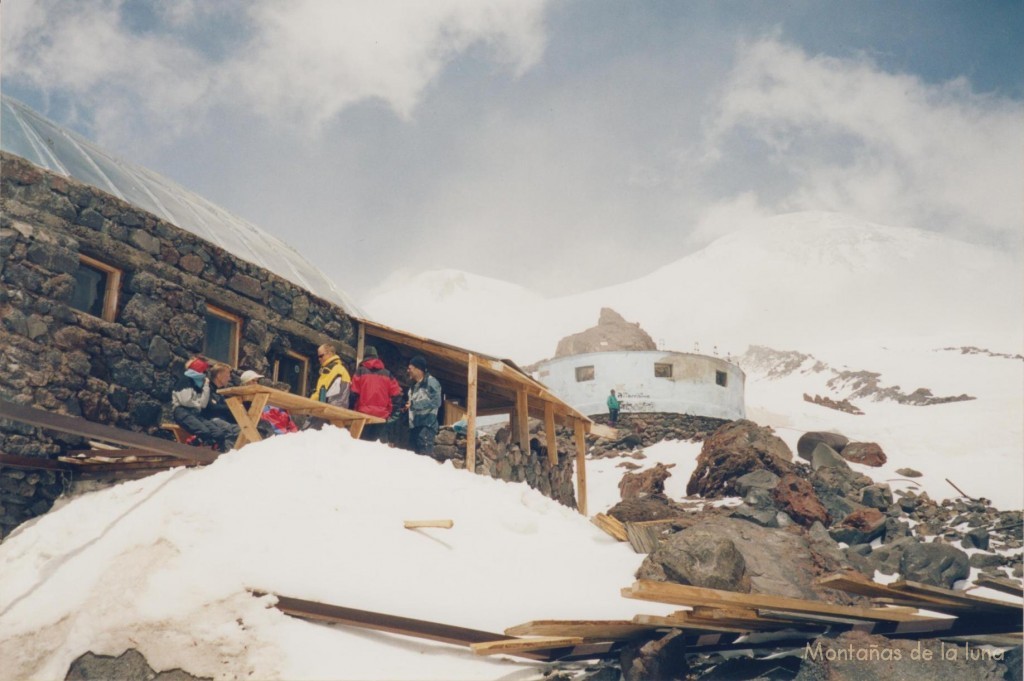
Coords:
28,134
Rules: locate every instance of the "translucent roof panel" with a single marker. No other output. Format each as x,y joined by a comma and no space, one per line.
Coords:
27,134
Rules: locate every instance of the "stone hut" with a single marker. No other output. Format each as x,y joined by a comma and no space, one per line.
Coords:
111,277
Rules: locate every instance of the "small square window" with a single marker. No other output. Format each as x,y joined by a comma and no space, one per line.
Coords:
223,330
721,378
662,370
96,288
584,373
293,369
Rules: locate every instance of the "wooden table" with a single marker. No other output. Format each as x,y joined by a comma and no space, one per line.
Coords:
259,396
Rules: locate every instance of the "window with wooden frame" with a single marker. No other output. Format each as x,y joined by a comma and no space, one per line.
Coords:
96,288
722,378
662,370
585,373
223,331
293,369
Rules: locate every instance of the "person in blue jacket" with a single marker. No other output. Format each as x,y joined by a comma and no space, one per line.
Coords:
424,401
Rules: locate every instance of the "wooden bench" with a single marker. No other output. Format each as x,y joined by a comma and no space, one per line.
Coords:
180,434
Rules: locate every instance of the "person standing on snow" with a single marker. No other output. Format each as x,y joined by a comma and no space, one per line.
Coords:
613,408
424,401
375,392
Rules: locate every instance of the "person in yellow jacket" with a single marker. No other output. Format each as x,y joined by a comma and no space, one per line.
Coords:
333,385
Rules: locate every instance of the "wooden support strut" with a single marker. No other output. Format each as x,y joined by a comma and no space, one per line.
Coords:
471,389
522,421
549,433
580,435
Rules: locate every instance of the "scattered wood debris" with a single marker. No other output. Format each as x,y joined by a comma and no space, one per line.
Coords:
415,524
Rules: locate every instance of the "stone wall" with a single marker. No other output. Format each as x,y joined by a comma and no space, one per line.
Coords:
120,373
502,459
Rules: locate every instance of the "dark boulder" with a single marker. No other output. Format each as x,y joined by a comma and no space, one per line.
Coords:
732,451
808,441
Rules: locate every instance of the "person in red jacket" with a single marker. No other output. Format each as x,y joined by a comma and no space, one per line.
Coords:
375,392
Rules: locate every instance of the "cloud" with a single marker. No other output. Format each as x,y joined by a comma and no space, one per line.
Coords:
884,146
150,71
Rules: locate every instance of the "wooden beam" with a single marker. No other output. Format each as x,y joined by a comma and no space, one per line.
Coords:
415,524
98,431
522,422
1007,586
680,594
514,646
611,525
580,436
433,631
599,630
16,461
928,598
360,343
549,433
471,390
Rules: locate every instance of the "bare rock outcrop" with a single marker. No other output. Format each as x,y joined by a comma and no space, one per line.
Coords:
732,451
611,333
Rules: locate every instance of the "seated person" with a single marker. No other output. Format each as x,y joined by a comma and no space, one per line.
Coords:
273,420
190,396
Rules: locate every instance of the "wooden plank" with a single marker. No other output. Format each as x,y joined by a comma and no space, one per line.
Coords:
857,584
611,526
680,594
686,623
88,429
603,431
959,597
1007,586
392,624
643,538
471,406
413,524
580,436
514,646
602,630
120,454
15,461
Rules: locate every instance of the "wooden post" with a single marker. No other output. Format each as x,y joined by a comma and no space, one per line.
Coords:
360,344
471,415
523,420
581,466
549,432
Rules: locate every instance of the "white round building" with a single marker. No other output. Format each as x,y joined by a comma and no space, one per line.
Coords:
647,381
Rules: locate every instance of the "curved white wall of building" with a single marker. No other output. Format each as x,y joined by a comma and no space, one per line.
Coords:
687,384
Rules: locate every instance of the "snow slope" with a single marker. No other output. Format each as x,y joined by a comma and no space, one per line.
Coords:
163,564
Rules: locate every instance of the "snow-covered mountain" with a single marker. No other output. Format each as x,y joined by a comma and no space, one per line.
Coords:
797,281
847,298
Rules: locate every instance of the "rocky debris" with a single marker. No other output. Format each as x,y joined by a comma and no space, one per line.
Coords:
716,668
936,564
841,405
848,385
860,527
131,665
823,455
650,507
663,659
649,428
611,333
972,350
809,440
856,656
698,556
732,451
866,453
748,558
908,472
650,481
795,497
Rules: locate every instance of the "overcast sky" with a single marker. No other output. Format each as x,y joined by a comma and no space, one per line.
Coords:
562,145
